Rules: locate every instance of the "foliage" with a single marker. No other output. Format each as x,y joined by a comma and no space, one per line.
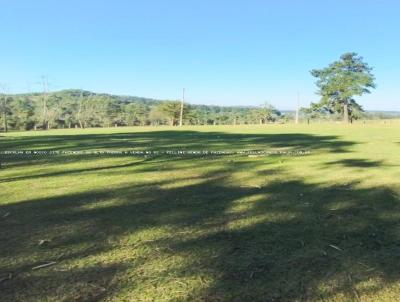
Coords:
82,109
267,113
341,81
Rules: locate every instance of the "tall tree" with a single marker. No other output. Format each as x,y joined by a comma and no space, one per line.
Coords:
266,113
21,111
342,80
54,110
4,107
171,109
133,114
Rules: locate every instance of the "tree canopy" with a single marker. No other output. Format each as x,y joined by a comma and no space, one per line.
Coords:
343,80
79,108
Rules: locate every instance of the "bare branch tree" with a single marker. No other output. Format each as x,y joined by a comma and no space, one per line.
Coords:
4,90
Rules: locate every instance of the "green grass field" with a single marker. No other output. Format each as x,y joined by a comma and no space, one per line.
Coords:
324,226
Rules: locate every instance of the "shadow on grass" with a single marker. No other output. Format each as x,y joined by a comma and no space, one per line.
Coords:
69,172
284,247
282,241
165,140
358,163
156,140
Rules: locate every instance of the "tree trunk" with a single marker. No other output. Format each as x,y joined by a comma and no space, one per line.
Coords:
5,121
5,114
345,112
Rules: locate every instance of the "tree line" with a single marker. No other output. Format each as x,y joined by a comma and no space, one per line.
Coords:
84,109
337,85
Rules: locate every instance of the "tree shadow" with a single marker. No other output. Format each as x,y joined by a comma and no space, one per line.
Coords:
70,171
291,240
286,240
165,140
358,163
156,140
299,245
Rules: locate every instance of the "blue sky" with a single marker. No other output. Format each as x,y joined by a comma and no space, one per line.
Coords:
222,52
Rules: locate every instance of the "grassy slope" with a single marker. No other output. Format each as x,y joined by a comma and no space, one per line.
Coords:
321,227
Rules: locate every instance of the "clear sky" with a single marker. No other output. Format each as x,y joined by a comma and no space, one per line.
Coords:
223,52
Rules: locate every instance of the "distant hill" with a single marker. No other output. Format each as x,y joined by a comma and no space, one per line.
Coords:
384,112
76,93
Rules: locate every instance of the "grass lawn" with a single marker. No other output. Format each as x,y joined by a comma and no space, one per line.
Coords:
324,226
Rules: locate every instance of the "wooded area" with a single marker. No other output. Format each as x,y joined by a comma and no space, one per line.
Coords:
82,109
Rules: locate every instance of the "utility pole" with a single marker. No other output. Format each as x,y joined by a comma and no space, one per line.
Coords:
297,108
5,113
45,91
181,113
78,116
